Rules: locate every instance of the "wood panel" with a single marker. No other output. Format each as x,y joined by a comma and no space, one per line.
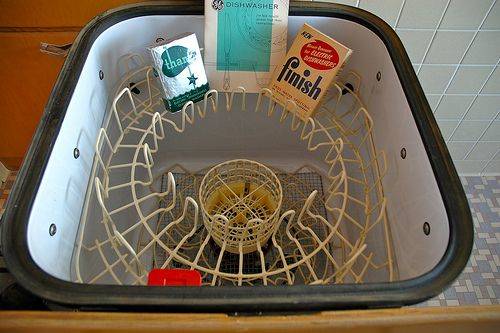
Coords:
55,13
453,319
26,80
26,75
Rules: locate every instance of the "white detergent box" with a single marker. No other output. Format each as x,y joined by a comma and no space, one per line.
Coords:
244,42
179,67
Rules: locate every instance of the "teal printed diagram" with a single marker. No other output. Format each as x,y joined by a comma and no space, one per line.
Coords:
244,41
244,35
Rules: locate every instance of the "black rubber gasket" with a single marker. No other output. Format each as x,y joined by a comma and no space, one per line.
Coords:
233,299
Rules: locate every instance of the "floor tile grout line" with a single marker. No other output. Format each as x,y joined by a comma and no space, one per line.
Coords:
482,135
472,102
433,35
464,55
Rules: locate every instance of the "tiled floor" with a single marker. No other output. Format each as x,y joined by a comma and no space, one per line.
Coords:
480,281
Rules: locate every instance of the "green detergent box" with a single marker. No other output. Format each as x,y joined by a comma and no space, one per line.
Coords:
244,42
179,67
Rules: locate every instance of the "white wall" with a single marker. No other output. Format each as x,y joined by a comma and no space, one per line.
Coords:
454,46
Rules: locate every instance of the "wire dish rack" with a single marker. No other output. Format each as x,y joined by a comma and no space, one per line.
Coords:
325,223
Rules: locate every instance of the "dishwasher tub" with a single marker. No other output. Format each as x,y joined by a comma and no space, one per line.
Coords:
372,213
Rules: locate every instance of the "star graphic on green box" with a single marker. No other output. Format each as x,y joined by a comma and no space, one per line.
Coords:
192,80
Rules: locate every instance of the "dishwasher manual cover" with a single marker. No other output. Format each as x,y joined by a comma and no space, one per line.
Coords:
244,42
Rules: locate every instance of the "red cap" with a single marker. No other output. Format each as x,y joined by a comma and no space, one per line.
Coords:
174,277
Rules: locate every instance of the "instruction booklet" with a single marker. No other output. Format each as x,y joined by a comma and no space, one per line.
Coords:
244,41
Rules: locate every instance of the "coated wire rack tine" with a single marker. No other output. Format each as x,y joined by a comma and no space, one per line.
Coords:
230,98
331,128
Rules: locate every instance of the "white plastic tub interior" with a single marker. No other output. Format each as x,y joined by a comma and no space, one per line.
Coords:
412,194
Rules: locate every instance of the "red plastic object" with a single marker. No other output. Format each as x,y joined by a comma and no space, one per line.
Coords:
174,277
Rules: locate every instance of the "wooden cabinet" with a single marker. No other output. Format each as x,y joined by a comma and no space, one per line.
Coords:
442,319
54,13
27,75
